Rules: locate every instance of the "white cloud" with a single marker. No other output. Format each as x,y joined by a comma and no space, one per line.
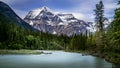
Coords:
8,1
85,17
17,11
13,1
79,15
20,13
83,9
86,8
110,6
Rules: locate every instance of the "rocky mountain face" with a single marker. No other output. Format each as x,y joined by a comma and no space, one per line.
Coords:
6,11
45,20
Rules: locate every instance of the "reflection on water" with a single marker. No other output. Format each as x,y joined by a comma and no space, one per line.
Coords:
58,59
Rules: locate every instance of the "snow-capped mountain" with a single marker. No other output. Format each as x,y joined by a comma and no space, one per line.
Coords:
46,20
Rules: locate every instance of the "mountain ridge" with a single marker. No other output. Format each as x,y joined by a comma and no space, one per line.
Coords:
61,24
11,15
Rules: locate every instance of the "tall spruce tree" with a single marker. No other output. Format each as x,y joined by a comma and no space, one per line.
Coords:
99,15
99,19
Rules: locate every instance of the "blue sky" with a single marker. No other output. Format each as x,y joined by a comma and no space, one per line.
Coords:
82,9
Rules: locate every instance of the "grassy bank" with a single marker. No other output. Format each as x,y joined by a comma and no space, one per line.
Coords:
2,52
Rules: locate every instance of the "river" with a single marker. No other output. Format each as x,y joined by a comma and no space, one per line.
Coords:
58,59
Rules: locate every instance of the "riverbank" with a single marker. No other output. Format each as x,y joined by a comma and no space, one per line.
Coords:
108,56
3,52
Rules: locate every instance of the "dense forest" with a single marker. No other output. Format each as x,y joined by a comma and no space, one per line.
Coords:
104,43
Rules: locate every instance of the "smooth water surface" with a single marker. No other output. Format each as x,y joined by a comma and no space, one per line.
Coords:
58,59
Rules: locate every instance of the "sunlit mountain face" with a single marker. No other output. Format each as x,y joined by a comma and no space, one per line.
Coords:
44,19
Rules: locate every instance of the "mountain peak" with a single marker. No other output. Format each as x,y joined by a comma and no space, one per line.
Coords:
38,13
48,21
44,8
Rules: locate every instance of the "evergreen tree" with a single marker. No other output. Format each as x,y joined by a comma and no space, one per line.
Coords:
99,13
99,19
113,32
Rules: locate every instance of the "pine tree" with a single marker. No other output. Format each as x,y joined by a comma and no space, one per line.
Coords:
99,19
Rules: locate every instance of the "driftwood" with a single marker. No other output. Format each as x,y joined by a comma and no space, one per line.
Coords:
46,52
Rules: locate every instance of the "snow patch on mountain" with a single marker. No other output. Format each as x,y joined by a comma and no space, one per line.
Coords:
44,19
